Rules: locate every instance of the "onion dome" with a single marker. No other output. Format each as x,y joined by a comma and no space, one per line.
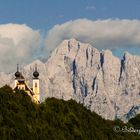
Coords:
17,74
36,73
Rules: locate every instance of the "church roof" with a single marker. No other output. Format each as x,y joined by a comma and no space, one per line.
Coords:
21,77
27,88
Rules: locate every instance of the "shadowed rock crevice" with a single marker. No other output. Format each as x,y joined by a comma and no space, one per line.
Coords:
87,54
93,83
91,61
74,67
86,89
122,68
75,76
101,59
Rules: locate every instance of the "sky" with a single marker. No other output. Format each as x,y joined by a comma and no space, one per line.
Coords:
33,28
44,14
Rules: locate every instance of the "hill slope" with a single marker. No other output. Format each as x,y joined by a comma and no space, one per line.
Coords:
53,119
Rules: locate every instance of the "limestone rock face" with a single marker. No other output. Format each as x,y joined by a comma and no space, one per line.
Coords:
102,82
4,79
129,83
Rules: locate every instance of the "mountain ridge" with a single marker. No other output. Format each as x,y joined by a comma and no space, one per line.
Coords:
102,82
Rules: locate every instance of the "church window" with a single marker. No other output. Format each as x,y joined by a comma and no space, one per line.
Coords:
35,84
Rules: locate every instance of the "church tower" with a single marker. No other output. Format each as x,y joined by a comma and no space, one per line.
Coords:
36,85
19,80
17,75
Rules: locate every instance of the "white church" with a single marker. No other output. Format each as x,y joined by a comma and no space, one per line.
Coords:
21,84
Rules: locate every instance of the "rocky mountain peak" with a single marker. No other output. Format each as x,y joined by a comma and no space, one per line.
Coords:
102,82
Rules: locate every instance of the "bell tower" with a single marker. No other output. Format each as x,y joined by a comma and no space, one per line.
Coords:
36,90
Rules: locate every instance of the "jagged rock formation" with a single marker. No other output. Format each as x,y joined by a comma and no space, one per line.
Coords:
102,82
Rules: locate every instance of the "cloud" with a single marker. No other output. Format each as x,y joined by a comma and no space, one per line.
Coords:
102,34
21,44
18,44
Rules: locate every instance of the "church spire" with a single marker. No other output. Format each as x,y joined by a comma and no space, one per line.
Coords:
17,67
35,67
17,74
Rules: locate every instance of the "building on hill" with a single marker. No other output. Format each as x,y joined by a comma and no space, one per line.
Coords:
21,84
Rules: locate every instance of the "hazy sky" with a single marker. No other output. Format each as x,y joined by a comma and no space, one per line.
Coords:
32,28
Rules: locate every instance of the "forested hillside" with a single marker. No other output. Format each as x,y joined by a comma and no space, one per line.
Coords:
54,119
